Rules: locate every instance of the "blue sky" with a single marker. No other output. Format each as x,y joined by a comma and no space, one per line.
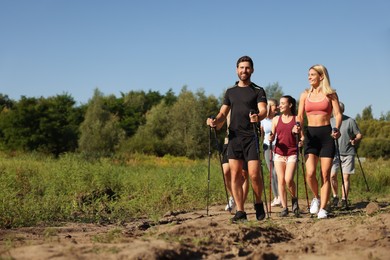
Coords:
51,47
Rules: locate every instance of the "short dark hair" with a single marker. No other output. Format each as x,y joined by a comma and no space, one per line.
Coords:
245,58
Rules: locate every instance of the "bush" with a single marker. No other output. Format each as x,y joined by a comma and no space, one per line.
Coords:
375,148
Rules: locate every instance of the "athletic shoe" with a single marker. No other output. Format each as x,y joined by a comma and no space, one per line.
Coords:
314,206
343,204
260,213
322,214
275,202
295,207
240,216
231,205
335,201
284,212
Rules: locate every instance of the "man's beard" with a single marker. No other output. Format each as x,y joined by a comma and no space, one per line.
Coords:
244,77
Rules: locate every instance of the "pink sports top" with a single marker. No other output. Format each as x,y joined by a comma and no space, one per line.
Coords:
322,107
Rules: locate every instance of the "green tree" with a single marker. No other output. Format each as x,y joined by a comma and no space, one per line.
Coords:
47,125
367,113
131,108
274,91
150,137
385,117
188,135
100,132
5,102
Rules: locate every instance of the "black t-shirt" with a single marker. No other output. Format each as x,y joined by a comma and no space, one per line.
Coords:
241,101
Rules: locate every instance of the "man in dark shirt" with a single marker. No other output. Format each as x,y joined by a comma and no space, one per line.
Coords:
243,98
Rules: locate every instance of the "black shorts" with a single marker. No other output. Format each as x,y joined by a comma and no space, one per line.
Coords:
318,141
243,148
226,160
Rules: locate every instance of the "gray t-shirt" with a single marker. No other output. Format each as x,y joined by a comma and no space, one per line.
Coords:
348,130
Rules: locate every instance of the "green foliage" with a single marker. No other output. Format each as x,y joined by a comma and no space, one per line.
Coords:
367,113
375,148
376,139
34,190
5,102
274,91
131,108
43,190
385,117
48,125
150,137
100,130
178,129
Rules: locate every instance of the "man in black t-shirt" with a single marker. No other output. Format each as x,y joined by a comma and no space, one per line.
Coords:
240,100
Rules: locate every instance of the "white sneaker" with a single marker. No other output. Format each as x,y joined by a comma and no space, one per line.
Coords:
231,204
322,214
314,206
275,202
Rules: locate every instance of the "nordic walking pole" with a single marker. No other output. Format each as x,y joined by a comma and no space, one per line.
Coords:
208,173
297,164
341,170
361,168
260,168
304,178
303,171
220,163
270,176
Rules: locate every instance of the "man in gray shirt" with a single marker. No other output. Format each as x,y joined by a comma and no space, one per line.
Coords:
350,136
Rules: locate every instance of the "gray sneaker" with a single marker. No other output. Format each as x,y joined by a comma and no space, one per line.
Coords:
284,212
295,207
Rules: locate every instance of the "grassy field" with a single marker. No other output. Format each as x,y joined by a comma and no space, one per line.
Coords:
37,190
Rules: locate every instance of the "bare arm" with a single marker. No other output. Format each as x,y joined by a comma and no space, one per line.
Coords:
298,128
219,120
338,116
262,107
301,108
273,128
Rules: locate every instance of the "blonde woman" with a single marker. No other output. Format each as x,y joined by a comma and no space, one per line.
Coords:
317,103
266,128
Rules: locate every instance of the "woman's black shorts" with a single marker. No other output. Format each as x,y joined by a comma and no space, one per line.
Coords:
318,141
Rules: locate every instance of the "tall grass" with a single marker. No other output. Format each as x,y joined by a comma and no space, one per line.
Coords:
40,190
37,190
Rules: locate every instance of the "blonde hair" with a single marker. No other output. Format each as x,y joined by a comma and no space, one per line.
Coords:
269,105
325,82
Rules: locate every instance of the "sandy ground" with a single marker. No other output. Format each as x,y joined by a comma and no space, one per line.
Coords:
360,233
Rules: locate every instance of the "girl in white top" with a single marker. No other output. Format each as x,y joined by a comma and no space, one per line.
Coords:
266,127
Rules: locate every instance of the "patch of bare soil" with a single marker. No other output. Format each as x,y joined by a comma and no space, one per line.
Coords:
352,234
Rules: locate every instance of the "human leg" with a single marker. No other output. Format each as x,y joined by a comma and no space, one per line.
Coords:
236,182
245,185
333,177
291,185
311,164
346,184
253,172
289,177
226,171
280,167
348,164
334,182
326,164
271,168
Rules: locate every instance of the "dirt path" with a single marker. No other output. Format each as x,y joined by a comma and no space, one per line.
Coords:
192,235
